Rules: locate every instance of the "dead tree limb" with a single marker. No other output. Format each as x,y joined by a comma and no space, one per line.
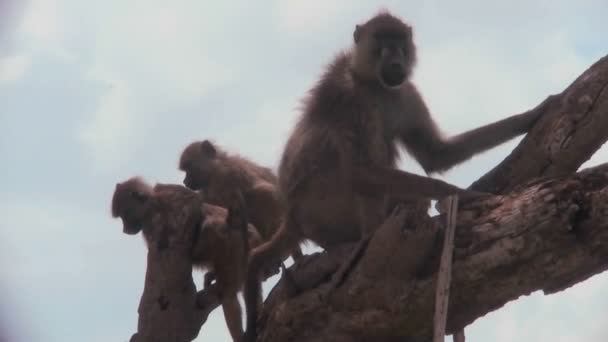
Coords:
444,275
545,237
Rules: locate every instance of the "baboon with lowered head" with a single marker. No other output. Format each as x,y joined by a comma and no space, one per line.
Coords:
219,244
218,175
339,166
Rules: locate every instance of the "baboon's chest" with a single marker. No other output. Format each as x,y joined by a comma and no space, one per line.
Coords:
374,138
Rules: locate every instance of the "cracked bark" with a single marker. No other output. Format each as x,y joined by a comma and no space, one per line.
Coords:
548,231
546,237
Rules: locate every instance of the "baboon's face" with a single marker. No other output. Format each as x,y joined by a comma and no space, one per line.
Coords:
131,227
133,211
197,178
198,162
385,51
393,54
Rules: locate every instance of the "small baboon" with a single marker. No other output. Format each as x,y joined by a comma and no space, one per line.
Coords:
220,249
219,175
219,246
339,165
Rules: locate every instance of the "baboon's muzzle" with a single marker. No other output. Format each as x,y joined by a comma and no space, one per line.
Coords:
392,74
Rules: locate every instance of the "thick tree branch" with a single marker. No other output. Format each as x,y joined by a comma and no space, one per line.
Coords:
545,237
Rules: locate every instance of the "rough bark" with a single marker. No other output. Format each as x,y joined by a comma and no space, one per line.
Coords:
547,234
545,237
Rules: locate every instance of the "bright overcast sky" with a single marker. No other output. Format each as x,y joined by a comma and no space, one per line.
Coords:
94,92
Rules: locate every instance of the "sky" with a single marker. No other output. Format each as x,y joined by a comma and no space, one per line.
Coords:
92,93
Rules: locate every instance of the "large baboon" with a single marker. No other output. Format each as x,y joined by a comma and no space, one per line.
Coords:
339,166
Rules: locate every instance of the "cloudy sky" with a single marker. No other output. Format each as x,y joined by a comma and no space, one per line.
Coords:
94,92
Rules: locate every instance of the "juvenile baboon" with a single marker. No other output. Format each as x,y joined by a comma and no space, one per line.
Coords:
339,165
219,245
218,175
220,249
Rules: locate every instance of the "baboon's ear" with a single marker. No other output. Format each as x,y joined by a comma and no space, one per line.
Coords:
357,33
208,150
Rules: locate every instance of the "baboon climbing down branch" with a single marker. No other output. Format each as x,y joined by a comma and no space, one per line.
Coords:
221,241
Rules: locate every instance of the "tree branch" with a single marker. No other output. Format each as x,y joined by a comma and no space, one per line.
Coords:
545,237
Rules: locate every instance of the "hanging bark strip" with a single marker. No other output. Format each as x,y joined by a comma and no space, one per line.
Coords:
442,295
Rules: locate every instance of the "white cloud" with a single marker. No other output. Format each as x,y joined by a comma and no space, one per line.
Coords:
561,71
277,117
159,60
42,21
309,15
164,51
475,80
27,229
13,67
110,127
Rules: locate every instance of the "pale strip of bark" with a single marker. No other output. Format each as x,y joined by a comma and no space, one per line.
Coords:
442,294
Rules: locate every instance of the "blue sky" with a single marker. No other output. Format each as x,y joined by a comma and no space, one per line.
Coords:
92,93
